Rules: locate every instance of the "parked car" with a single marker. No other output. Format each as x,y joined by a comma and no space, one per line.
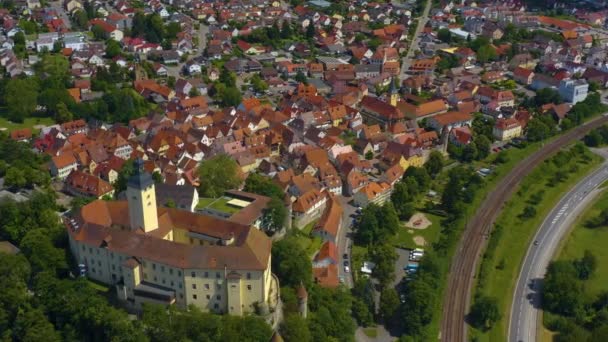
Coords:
346,269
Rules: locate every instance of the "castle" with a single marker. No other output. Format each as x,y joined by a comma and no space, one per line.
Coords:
171,256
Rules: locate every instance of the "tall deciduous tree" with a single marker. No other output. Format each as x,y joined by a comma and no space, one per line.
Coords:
484,312
217,175
21,95
291,263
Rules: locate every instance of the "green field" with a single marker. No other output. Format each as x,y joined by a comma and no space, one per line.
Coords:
593,239
309,243
500,265
404,238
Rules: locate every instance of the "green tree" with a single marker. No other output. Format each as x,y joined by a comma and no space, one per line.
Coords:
547,95
301,77
586,265
484,312
435,163
43,256
384,256
294,328
98,32
483,145
417,310
310,31
15,177
286,31
113,48
403,201
217,175
32,326
63,113
389,305
486,54
21,95
562,292
291,263
444,35
231,96
361,313
263,185
274,216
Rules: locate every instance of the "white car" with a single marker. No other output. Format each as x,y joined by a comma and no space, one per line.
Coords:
346,269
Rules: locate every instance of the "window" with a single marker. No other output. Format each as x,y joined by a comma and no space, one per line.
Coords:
193,274
206,286
217,275
179,273
145,275
155,279
179,285
248,275
144,263
171,271
148,197
149,204
93,269
153,266
90,250
162,268
194,286
99,262
84,248
181,296
208,297
134,197
193,296
111,255
219,287
218,297
216,306
171,284
206,274
113,267
249,287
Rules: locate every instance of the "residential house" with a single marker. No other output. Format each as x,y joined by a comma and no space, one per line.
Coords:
330,223
507,129
79,183
377,193
308,207
327,255
62,165
573,91
523,75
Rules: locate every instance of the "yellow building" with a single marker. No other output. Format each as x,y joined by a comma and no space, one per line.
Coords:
170,256
507,129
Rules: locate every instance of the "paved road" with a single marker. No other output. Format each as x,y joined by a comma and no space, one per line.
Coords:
525,307
407,60
345,240
462,269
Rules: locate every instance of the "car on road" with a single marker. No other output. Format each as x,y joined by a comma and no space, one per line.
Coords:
346,263
536,243
345,256
402,298
346,269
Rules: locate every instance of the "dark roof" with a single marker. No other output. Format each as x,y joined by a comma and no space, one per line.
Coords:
181,195
140,178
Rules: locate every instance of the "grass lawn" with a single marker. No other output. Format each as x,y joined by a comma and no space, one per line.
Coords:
404,239
203,202
500,266
309,243
221,204
27,123
370,332
595,240
98,286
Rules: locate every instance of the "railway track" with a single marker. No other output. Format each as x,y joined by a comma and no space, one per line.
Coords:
463,268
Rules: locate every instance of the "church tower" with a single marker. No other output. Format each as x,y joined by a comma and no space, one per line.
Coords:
142,199
394,93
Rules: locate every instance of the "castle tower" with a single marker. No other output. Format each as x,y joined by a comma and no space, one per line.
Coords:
302,300
142,199
394,93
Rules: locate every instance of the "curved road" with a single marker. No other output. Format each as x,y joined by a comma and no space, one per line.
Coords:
462,270
526,301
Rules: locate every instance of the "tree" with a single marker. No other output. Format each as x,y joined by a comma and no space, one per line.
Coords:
310,31
483,125
547,95
63,114
113,48
21,95
389,304
291,263
301,78
444,35
484,312
15,177
486,54
586,265
361,313
98,32
43,256
483,145
562,293
417,310
231,96
403,201
384,256
32,326
369,155
435,163
294,328
217,175
274,216
540,128
286,31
